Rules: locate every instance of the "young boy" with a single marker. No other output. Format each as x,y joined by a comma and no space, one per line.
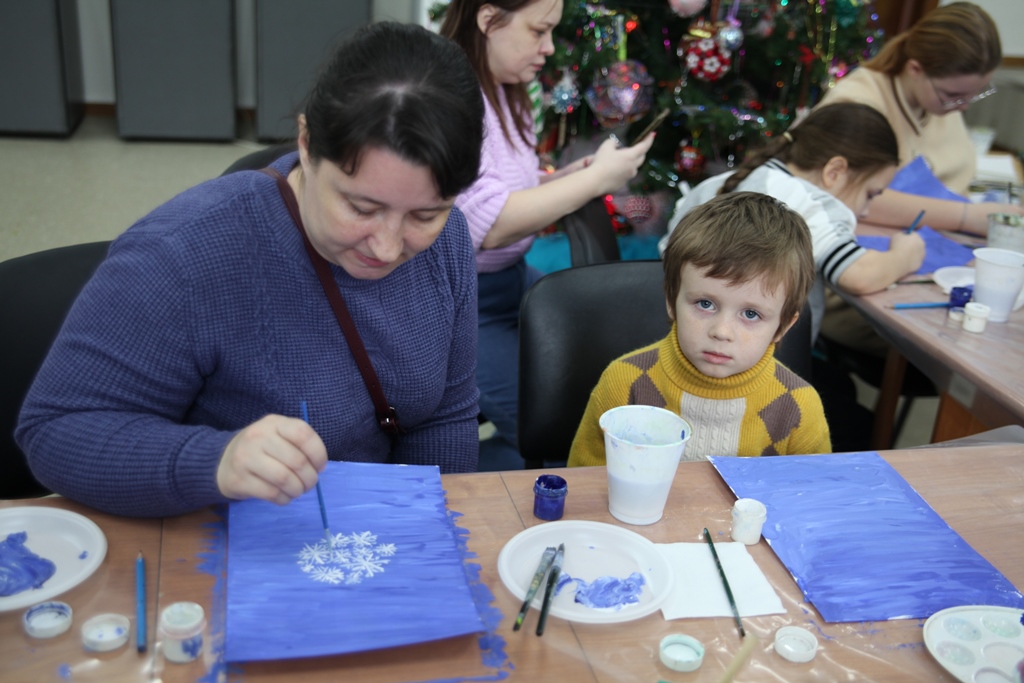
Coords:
737,273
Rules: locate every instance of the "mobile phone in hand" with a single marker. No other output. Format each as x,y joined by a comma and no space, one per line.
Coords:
655,122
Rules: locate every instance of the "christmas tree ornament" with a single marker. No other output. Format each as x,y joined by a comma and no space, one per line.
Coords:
638,208
536,93
621,94
689,161
705,59
730,36
687,8
565,96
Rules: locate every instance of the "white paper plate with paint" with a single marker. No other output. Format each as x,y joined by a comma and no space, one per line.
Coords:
72,542
600,558
953,276
977,643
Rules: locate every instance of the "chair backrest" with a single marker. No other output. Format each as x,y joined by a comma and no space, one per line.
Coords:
573,323
262,158
591,235
36,292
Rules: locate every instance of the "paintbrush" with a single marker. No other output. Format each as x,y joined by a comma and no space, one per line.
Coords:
320,492
549,591
742,655
913,226
545,563
725,582
919,304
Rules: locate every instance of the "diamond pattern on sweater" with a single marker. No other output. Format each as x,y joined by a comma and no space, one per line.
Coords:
781,417
643,392
645,361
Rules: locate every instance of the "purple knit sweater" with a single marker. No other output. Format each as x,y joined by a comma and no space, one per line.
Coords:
504,168
206,316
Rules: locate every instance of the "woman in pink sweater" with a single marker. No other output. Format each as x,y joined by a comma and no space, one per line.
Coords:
507,42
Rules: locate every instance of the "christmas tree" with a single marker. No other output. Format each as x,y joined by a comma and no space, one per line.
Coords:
729,74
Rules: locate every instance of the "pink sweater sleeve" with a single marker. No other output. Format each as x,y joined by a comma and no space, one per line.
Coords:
504,168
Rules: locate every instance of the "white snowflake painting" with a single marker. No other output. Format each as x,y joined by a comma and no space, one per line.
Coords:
352,558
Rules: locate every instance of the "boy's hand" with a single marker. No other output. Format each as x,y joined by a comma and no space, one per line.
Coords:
276,458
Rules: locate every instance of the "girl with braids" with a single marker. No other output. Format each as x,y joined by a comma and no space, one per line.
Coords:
922,81
827,169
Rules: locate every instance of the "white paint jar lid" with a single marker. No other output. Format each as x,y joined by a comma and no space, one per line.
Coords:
47,619
105,632
681,652
796,644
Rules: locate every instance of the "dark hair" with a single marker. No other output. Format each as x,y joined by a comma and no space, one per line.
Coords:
405,89
952,40
856,132
460,26
739,237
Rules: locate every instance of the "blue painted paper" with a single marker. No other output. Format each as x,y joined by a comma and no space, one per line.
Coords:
939,250
861,544
917,178
395,575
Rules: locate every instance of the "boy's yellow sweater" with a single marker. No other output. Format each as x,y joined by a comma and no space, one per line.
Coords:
767,410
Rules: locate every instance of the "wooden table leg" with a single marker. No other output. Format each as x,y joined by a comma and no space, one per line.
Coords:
888,398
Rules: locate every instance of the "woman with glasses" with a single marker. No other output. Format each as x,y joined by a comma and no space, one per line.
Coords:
922,81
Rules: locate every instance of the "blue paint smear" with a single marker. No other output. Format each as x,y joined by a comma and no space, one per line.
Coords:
64,671
605,592
84,554
213,561
861,544
427,592
20,568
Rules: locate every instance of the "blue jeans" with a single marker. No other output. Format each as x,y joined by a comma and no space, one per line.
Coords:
497,362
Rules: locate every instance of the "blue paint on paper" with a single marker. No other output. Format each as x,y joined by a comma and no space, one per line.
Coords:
20,568
861,544
939,250
64,671
424,595
605,592
213,561
84,554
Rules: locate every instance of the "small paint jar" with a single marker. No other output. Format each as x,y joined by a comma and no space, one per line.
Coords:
975,317
959,296
181,631
549,493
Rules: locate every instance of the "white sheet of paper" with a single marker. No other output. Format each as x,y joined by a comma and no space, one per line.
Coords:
698,592
997,167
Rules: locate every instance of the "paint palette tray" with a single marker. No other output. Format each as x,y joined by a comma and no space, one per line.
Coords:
977,643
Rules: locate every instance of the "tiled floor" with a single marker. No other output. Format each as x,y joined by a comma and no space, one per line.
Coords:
93,185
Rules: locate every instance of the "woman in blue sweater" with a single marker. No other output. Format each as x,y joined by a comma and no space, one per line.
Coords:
177,379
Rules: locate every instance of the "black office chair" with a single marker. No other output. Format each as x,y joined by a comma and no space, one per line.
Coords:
262,158
36,292
591,235
573,323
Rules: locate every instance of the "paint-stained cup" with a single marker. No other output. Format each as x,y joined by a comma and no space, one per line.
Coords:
998,279
748,516
642,445
181,631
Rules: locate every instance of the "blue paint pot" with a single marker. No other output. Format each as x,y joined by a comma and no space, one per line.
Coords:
549,493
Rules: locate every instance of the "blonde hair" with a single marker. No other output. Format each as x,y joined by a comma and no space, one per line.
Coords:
953,40
741,236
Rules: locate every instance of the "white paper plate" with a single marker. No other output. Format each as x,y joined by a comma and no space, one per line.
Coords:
592,550
977,643
72,542
953,276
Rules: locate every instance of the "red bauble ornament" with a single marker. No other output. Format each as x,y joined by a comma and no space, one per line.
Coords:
705,59
689,161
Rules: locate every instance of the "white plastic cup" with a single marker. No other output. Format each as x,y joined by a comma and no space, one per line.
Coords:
181,631
998,279
748,517
642,446
975,317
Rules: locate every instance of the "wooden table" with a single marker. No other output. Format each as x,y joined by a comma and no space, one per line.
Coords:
975,489
980,377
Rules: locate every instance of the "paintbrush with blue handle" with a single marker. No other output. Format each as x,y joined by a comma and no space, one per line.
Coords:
320,492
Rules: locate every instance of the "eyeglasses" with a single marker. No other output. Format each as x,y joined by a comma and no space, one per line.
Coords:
959,102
